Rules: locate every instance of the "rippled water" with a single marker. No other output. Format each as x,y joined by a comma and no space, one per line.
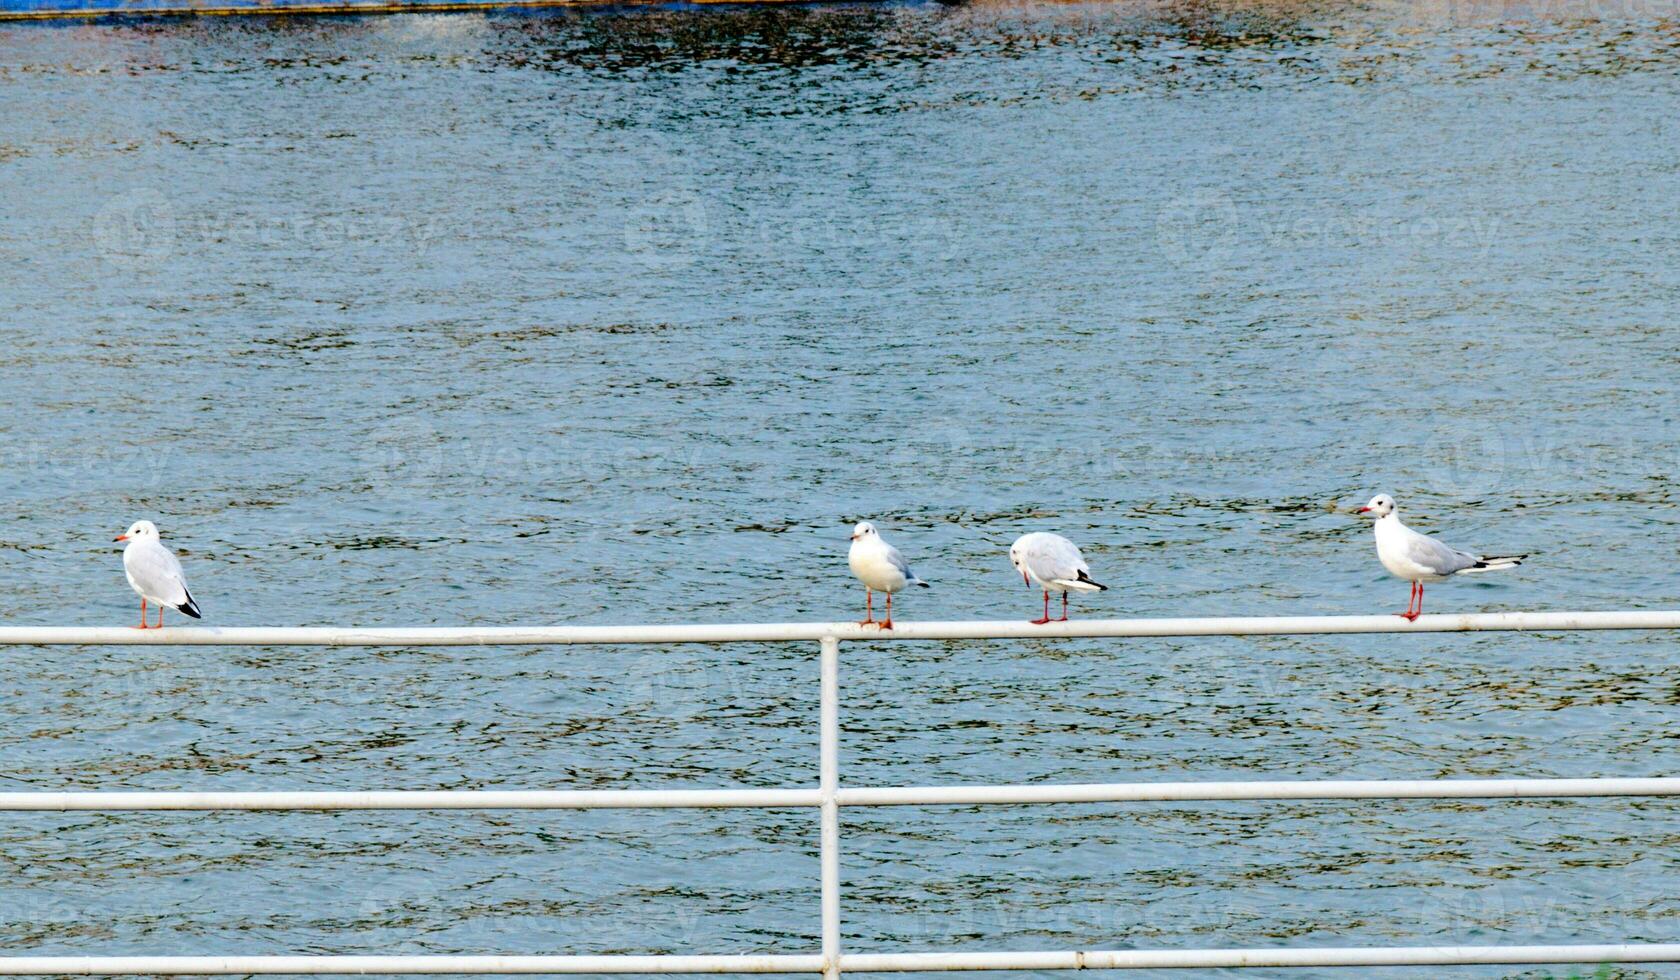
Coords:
625,317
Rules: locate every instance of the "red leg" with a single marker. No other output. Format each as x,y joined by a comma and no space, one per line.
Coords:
160,617
142,614
886,624
1046,618
1411,613
869,604
1064,607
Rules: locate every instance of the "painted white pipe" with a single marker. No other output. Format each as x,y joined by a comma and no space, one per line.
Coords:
1207,959
413,800
304,965
1121,959
783,632
1305,789
829,778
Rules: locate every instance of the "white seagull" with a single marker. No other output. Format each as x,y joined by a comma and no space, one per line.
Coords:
880,568
1054,563
1419,558
155,573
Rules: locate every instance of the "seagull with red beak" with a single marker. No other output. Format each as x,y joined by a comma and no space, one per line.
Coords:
1419,558
880,568
155,573
1055,565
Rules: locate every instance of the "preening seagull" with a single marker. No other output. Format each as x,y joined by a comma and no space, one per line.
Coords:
1055,564
1419,558
155,573
880,568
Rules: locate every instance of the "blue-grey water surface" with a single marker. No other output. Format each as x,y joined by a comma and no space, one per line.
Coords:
627,316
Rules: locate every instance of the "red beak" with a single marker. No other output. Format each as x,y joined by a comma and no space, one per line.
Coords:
1362,510
120,537
1025,580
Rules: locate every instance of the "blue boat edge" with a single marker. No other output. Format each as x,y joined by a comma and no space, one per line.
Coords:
13,11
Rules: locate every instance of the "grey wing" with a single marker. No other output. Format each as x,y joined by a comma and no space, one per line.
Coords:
176,573
158,572
1056,558
898,561
1437,557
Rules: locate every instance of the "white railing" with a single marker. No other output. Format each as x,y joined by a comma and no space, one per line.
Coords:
473,636
828,797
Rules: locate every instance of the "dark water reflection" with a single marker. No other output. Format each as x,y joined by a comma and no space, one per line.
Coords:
887,35
625,316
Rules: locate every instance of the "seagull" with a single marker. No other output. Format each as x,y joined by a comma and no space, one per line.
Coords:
155,573
880,568
1419,558
1053,562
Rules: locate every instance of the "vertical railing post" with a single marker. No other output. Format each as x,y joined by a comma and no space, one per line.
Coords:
829,779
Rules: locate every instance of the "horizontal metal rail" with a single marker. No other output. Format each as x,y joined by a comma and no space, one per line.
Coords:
1099,959
345,965
1306,789
1155,959
813,632
414,799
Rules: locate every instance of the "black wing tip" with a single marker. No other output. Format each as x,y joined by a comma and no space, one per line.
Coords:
1493,560
923,584
1086,578
190,608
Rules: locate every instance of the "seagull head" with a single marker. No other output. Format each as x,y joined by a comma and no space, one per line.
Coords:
863,530
1381,505
1015,559
140,529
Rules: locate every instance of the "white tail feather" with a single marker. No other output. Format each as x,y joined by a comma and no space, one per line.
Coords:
1077,586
